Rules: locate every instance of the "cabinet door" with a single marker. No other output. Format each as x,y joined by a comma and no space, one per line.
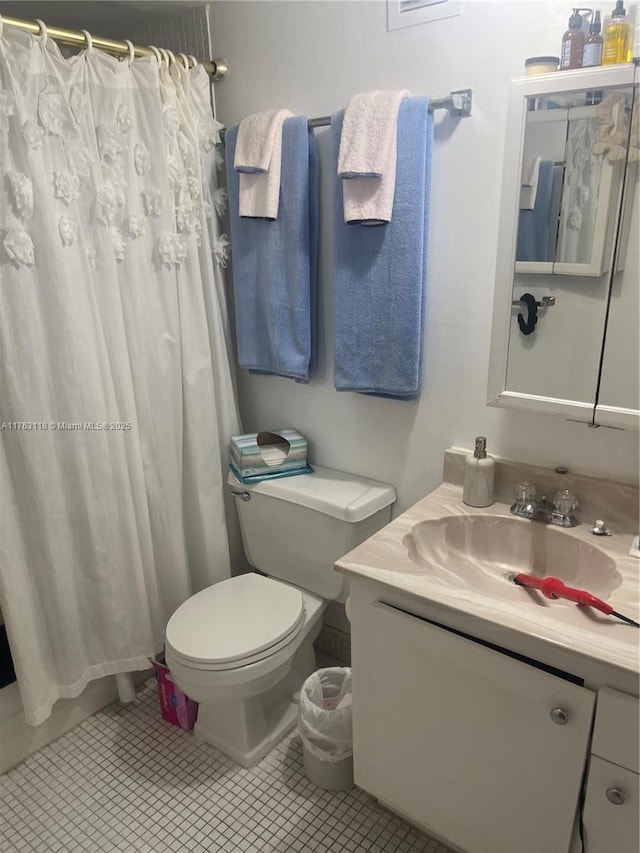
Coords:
619,387
616,731
611,809
460,737
555,366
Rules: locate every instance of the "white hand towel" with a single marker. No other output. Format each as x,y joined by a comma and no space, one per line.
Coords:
529,183
367,156
258,159
255,140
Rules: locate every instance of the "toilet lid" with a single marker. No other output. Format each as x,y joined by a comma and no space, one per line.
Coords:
235,619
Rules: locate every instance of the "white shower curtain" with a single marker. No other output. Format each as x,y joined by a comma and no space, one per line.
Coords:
116,391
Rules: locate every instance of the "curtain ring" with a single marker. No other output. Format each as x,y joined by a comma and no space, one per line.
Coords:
44,32
132,52
1,26
156,53
182,56
193,60
88,40
172,57
165,56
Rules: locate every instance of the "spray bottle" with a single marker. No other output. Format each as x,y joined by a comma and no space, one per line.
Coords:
592,53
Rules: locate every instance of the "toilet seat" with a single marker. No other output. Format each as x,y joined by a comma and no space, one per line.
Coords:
236,622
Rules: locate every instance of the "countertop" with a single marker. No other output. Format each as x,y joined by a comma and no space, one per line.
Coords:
383,558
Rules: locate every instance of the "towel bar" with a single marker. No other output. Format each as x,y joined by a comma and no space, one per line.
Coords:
545,302
458,103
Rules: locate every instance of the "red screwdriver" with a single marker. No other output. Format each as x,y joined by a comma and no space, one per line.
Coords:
554,588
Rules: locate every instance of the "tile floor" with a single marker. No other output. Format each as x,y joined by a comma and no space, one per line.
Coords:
124,780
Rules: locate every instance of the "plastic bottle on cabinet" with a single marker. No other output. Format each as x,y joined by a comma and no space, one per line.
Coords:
617,37
592,53
479,474
572,43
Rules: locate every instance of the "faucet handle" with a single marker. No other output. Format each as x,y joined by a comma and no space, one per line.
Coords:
600,529
565,502
525,492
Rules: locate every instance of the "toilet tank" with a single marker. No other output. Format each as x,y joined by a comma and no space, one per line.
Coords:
295,528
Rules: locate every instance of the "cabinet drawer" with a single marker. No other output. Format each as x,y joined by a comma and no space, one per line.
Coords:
611,827
615,734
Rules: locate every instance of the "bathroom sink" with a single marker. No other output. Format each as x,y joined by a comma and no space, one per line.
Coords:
479,551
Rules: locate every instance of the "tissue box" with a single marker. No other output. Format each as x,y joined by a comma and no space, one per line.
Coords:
260,453
175,706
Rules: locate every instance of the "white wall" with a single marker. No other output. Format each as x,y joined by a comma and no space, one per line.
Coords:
311,57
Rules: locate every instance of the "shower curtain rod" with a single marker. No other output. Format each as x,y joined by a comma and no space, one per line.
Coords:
216,67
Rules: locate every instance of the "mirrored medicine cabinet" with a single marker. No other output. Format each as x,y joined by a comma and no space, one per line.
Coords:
566,303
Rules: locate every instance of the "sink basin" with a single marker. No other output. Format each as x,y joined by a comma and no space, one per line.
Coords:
478,552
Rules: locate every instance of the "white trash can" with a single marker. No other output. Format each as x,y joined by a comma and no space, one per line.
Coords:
325,728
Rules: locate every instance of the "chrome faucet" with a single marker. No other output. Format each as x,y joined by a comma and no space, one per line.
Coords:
529,504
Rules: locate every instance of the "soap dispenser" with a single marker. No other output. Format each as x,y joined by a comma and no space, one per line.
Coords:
479,473
573,42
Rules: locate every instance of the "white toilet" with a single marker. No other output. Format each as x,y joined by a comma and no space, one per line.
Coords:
243,647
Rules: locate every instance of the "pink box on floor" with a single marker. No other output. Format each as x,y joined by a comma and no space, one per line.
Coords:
175,706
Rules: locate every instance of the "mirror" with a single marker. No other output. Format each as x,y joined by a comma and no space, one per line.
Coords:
619,386
572,170
567,268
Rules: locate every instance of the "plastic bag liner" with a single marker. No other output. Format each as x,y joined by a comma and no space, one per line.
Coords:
325,714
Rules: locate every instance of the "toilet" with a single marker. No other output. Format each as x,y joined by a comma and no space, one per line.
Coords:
243,647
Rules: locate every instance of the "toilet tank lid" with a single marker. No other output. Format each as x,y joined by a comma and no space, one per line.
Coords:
345,496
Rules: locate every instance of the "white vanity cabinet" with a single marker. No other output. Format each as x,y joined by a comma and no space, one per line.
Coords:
495,719
485,750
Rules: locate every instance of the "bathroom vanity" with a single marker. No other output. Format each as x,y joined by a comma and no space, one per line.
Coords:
492,717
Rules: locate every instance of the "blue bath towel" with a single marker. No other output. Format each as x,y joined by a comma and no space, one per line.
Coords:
380,271
275,262
535,227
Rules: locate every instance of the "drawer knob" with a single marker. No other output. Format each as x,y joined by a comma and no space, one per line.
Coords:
615,796
559,716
